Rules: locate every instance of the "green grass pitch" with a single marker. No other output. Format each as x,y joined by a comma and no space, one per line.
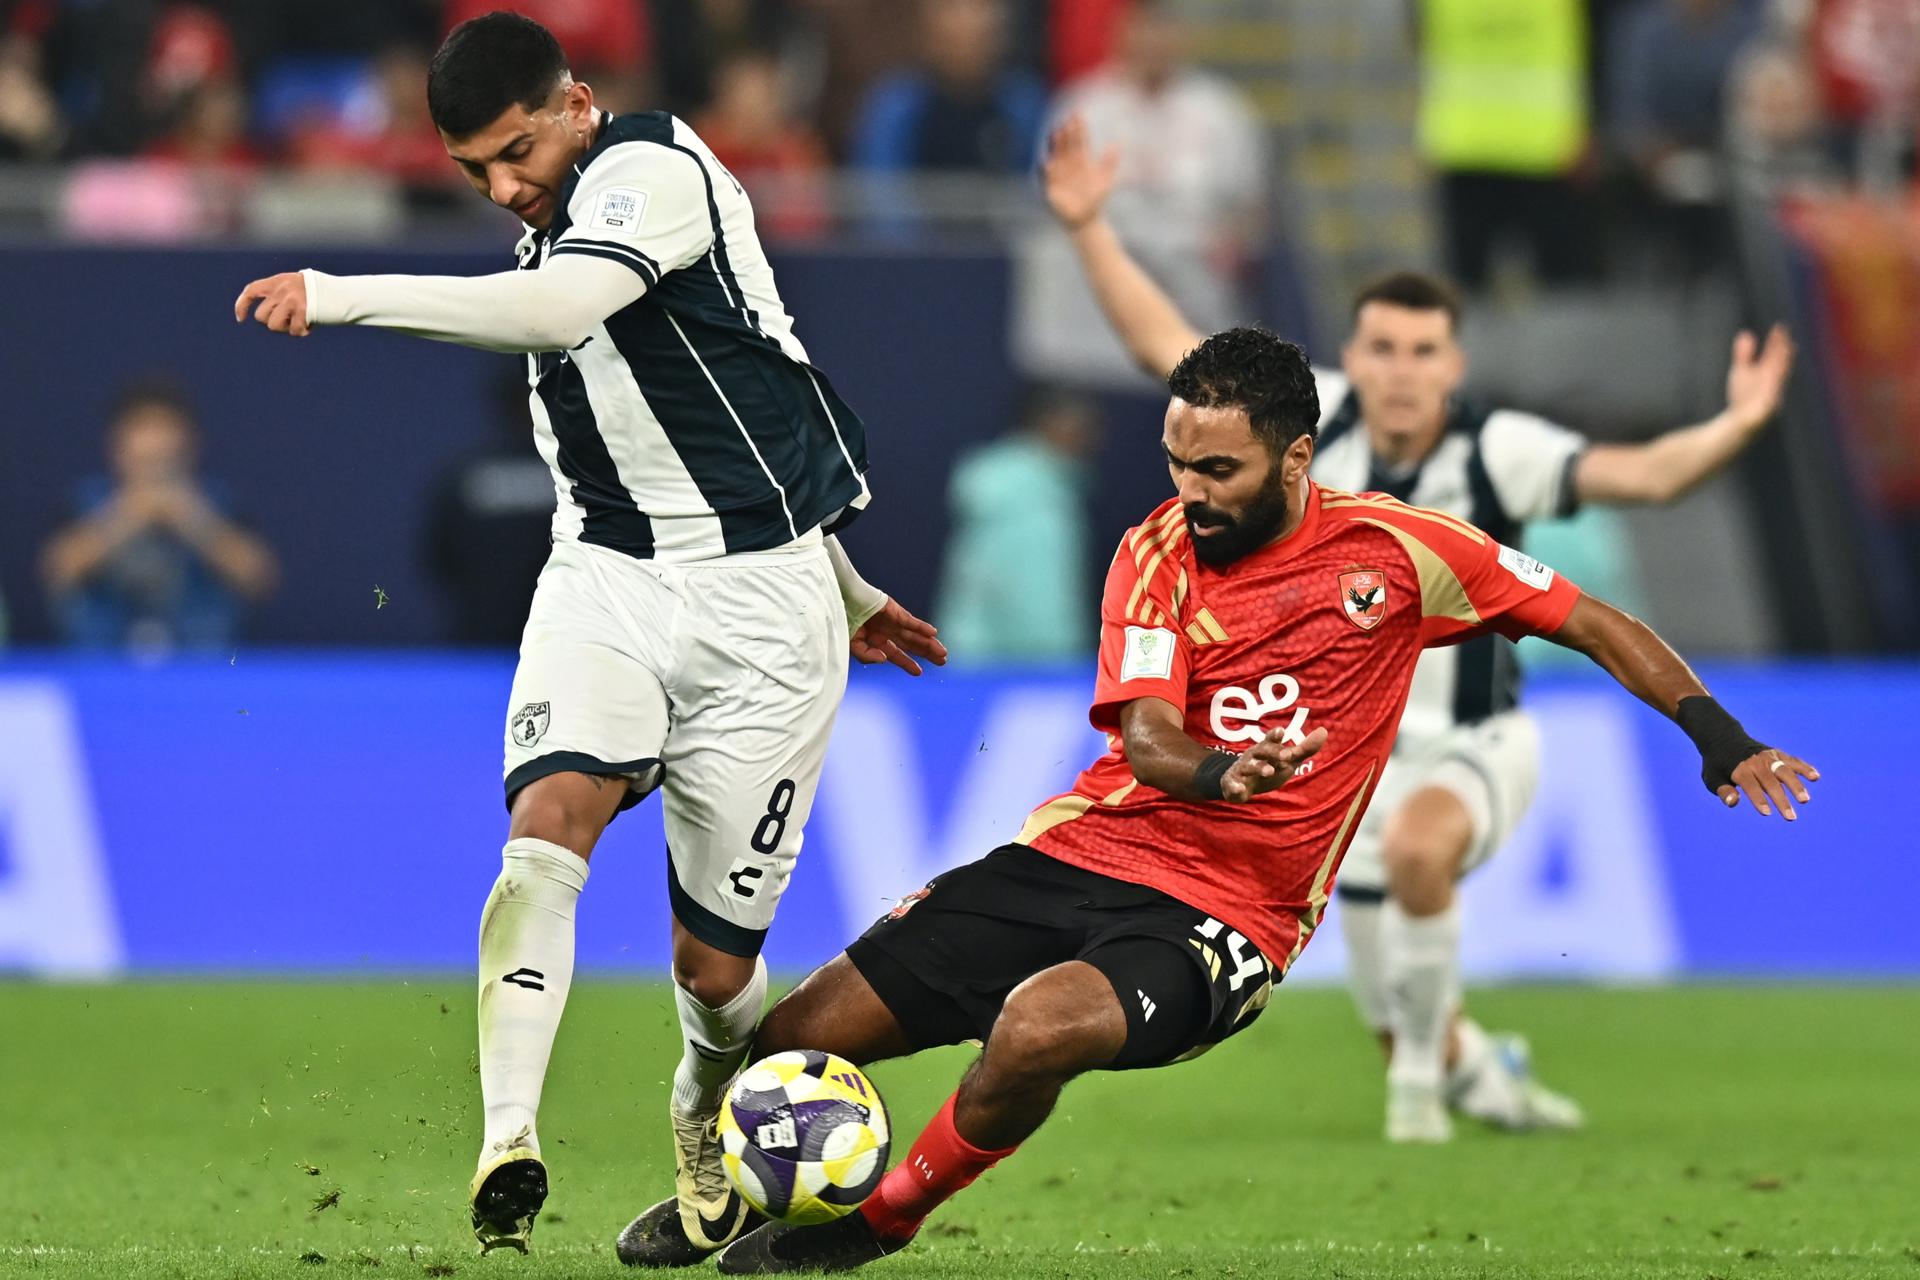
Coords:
197,1129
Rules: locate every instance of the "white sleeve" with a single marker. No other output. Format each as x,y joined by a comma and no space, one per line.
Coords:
644,205
860,598
1530,462
552,308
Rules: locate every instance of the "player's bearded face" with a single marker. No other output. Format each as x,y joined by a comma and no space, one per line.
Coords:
1233,490
1223,533
520,161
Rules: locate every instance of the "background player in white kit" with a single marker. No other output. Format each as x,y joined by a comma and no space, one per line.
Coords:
691,628
1466,759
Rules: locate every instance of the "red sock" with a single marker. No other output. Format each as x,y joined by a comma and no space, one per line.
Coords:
940,1166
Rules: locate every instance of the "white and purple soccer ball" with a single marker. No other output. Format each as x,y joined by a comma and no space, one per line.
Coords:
804,1136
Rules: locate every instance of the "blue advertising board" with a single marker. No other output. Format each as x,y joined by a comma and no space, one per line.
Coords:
344,814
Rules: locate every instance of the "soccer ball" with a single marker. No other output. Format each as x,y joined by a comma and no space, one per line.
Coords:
804,1136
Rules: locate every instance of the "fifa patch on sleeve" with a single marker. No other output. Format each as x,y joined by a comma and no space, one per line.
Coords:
1526,568
1149,654
619,209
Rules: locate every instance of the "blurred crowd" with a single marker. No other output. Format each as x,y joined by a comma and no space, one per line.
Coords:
1564,136
1525,103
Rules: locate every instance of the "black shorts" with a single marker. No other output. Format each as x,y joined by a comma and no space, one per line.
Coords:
945,960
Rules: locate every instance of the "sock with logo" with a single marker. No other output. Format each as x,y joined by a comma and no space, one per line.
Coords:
1423,989
526,967
717,1041
940,1166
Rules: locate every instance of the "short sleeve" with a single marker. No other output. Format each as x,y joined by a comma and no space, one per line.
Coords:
1143,653
1530,462
1471,585
643,205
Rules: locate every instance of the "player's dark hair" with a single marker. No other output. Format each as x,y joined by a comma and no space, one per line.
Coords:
1414,291
1258,371
488,64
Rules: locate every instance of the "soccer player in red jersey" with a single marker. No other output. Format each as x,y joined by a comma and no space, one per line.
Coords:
1259,634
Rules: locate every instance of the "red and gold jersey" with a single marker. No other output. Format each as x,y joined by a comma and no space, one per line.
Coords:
1318,630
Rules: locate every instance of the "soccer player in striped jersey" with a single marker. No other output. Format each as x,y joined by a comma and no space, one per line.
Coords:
1259,636
1466,762
691,628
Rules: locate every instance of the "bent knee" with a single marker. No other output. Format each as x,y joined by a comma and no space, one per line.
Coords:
784,1028
1429,837
1035,1039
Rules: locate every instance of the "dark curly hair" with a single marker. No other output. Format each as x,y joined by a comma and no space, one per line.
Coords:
488,64
1258,371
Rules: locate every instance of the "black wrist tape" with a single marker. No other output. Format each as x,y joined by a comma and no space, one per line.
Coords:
1206,778
1721,740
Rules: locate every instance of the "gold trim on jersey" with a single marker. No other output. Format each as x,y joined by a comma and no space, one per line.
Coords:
1066,809
1152,531
1317,896
1050,815
1384,503
1152,544
1441,595
1205,630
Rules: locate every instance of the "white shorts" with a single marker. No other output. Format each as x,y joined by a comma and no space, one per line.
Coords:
716,682
1492,766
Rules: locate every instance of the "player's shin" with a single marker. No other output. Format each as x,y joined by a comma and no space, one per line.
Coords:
526,967
717,1040
1366,961
1423,984
940,1166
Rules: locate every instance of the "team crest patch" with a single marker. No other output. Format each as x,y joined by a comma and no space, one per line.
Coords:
1363,594
905,904
529,723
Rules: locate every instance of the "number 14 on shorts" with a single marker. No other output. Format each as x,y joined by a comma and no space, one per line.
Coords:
1246,958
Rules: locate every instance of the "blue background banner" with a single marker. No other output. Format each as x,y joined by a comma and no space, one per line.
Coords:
289,813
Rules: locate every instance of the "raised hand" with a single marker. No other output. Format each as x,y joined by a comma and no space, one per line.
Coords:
1757,376
1077,182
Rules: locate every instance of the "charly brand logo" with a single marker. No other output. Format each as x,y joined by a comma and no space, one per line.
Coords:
529,723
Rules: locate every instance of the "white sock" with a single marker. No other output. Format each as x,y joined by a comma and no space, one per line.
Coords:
1366,962
717,1042
526,967
1423,989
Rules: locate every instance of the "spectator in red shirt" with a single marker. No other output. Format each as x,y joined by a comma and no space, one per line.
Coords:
777,158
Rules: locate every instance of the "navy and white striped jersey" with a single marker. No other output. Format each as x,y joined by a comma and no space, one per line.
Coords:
690,424
1497,469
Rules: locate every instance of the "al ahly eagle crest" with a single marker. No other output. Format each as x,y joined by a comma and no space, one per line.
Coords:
1363,594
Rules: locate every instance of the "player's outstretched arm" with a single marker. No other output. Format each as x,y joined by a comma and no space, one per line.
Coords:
1732,762
552,309
879,628
1077,184
1164,757
1672,465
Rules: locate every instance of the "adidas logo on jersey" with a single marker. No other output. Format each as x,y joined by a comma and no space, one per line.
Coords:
1146,1003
